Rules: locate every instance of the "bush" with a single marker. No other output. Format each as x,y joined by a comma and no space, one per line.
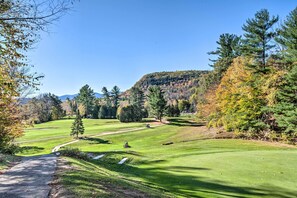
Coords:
130,113
74,153
9,149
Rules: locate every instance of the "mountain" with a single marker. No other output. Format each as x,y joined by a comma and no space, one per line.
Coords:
64,97
176,84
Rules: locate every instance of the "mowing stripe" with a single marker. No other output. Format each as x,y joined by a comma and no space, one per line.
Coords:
56,148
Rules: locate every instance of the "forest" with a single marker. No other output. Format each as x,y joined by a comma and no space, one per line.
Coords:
252,89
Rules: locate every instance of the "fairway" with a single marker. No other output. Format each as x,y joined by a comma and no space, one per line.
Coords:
42,138
195,165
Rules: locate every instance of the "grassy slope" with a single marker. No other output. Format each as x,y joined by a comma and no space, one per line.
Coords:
41,138
191,167
201,167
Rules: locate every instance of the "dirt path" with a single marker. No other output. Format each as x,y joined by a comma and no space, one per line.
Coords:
29,178
56,148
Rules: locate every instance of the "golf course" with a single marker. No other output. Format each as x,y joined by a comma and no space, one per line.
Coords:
181,158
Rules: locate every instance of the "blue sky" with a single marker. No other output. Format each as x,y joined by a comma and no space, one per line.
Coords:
116,42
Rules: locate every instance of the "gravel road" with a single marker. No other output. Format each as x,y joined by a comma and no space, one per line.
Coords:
29,178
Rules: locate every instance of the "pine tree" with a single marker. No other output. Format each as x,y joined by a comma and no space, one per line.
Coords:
115,94
285,110
288,37
103,112
228,49
77,126
106,95
136,97
86,97
258,36
157,102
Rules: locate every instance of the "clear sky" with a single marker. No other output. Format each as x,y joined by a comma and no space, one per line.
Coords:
116,42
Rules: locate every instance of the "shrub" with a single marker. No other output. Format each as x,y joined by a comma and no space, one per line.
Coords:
9,149
131,113
74,153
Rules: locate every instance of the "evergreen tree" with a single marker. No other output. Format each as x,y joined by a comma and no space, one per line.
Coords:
86,97
258,36
288,37
95,112
157,102
77,126
57,111
136,97
285,110
228,49
115,94
106,96
103,112
173,111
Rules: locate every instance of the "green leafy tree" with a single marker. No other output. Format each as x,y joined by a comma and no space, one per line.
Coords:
77,126
130,113
184,105
257,38
86,97
285,110
288,37
157,102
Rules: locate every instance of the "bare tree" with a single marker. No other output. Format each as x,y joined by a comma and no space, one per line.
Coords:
34,12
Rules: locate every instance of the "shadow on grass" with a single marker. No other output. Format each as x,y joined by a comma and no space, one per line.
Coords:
188,185
111,153
97,140
30,149
183,122
42,128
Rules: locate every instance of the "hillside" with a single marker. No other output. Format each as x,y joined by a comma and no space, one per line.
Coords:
176,85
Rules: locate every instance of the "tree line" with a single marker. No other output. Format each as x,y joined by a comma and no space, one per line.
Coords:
252,89
113,106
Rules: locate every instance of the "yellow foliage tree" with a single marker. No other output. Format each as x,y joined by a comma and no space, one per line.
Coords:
239,101
10,123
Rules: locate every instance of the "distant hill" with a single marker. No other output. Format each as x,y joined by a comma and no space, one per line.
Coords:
176,85
64,97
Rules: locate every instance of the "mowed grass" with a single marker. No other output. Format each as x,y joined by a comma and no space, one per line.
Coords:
193,166
42,138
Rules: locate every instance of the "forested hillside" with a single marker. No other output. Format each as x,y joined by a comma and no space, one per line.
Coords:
176,85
